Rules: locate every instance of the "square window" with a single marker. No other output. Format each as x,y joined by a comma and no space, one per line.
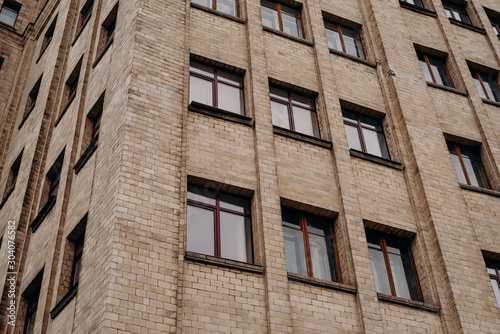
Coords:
417,3
365,134
282,18
487,85
219,224
293,112
434,69
310,245
468,166
493,268
344,39
225,6
392,265
456,12
9,12
214,87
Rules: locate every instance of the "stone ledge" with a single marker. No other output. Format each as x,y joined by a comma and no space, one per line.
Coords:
407,302
293,38
322,283
231,264
215,12
219,113
493,103
448,89
467,26
64,301
481,190
376,159
302,137
348,56
417,9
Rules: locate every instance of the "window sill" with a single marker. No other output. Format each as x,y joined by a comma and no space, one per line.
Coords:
219,113
99,57
42,52
64,301
480,190
26,117
293,38
232,264
43,213
407,302
467,26
448,89
376,159
493,103
321,283
85,157
64,110
348,56
302,137
215,12
417,9
6,196
81,29
8,27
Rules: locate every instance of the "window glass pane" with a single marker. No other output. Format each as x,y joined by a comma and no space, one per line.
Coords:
458,169
333,38
350,116
317,227
230,98
497,29
448,13
280,114
496,289
375,143
269,16
200,230
291,220
464,17
230,78
302,101
492,271
202,69
227,6
295,251
319,257
233,237
8,16
373,242
206,3
351,42
200,90
404,277
479,174
370,122
291,21
234,203
479,88
201,194
437,75
305,121
492,90
379,271
278,93
353,137
470,171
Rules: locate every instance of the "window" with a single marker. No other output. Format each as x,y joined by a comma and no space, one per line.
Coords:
310,245
107,32
415,2
1,62
218,224
84,16
70,90
456,12
77,261
496,25
32,96
487,85
392,265
282,18
216,88
294,112
493,268
344,39
468,167
9,12
224,6
434,69
29,320
47,38
365,134
12,178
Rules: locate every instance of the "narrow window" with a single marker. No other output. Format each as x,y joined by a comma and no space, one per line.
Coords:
9,12
344,39
392,266
219,224
487,85
434,69
293,112
417,3
216,88
29,320
496,25
70,90
12,178
493,268
32,96
47,38
282,18
225,6
107,32
456,12
77,261
365,134
467,163
310,245
1,62
84,16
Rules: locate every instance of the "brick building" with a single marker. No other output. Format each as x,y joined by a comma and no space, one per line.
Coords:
250,166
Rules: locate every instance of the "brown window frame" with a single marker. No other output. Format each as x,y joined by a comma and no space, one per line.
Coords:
458,153
280,19
77,261
479,76
492,264
431,72
455,9
341,37
214,7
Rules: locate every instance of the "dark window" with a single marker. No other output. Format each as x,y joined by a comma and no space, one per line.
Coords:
29,320
33,95
365,134
218,224
467,163
217,88
47,38
487,85
107,32
77,260
310,245
281,17
434,69
96,128
85,15
72,87
225,6
456,12
9,12
493,268
294,112
344,39
392,266
12,178
496,25
1,62
418,3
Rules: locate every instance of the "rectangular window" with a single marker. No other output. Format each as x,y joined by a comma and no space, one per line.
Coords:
33,95
29,320
216,88
282,18
456,12
493,268
434,69
344,39
77,261
1,62
225,6
418,3
218,224
487,85
12,178
47,38
467,163
84,16
392,265
310,245
293,112
9,12
365,134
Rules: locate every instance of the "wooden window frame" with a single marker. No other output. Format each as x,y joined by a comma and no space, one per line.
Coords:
280,19
477,75
214,7
77,260
456,9
458,153
341,36
429,68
